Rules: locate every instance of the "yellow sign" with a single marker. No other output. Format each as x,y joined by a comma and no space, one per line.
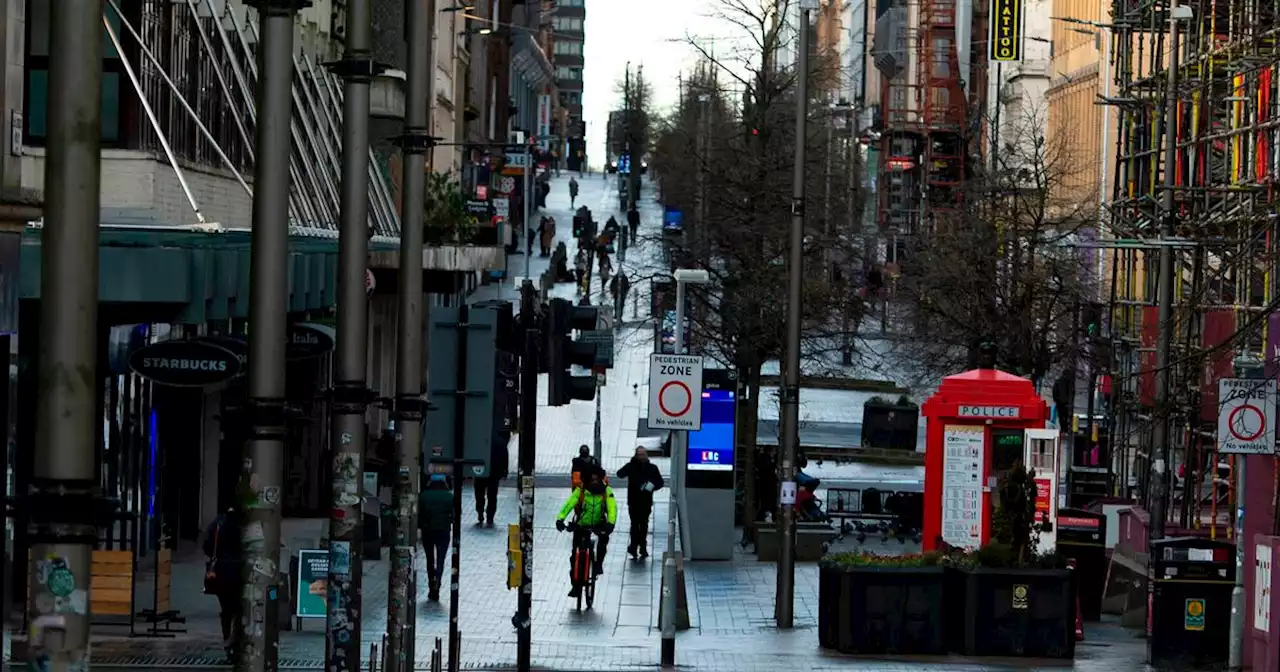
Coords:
1193,616
1006,30
515,557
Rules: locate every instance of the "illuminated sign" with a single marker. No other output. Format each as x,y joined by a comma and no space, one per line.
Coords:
1006,30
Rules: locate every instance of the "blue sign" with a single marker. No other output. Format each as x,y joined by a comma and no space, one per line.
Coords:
672,219
711,448
624,164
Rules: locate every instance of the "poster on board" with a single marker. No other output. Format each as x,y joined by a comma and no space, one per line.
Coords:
964,454
313,582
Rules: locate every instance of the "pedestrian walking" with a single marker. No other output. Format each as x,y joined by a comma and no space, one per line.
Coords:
643,479
619,287
435,522
548,235
633,222
533,235
580,268
486,488
222,575
605,264
573,191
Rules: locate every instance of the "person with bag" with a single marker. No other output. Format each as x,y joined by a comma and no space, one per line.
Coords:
222,574
643,479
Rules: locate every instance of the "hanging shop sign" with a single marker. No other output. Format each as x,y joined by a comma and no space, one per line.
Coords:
1006,30
307,340
185,363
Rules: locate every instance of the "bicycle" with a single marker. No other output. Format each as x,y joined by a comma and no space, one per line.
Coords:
584,564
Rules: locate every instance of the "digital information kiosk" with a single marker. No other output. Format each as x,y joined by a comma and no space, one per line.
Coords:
707,510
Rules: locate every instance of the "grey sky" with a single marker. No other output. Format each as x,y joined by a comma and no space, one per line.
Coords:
649,33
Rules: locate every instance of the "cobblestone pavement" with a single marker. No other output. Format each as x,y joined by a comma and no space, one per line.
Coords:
730,610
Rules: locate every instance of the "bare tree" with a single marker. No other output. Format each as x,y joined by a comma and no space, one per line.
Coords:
1002,264
724,158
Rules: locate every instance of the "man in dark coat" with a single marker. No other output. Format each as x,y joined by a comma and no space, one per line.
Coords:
633,222
487,488
643,479
435,522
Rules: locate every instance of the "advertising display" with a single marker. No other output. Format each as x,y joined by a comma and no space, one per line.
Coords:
711,448
313,583
964,457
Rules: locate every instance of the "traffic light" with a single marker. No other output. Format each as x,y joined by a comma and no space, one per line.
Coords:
563,351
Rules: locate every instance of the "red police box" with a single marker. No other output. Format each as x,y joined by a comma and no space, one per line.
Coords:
964,419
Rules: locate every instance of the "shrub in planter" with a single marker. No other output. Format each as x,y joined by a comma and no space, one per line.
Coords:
881,604
1016,602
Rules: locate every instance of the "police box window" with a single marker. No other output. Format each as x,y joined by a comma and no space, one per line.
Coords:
1006,449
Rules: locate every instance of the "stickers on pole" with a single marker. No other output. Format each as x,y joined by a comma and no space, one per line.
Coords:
675,392
787,495
1247,416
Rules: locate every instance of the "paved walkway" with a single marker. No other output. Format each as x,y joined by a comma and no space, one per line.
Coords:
730,609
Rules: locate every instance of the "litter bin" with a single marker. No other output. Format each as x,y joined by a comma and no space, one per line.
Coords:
1191,602
1082,535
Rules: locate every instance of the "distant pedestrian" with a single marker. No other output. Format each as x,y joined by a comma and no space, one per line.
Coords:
643,479
633,222
573,191
435,522
222,575
618,287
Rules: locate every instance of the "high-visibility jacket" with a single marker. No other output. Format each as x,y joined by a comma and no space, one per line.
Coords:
592,510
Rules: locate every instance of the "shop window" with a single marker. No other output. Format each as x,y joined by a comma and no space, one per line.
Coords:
35,112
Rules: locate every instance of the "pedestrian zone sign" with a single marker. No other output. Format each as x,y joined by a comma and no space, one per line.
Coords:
1247,416
675,392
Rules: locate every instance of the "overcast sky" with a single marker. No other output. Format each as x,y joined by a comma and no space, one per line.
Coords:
649,33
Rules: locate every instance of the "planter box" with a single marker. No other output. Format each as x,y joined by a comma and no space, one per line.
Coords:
812,539
1011,612
879,610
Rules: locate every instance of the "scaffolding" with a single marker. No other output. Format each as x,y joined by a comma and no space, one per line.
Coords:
1224,167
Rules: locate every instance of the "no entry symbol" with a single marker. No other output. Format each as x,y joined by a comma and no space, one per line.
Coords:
1246,422
675,399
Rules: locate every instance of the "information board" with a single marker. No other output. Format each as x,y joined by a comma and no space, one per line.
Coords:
313,583
964,454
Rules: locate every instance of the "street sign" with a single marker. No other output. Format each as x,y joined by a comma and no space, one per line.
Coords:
479,369
1247,416
675,392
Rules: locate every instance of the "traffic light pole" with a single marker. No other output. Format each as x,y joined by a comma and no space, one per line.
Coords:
790,400
63,496
409,404
257,646
350,392
527,462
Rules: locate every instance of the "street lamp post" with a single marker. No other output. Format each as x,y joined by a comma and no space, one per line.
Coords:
790,400
679,445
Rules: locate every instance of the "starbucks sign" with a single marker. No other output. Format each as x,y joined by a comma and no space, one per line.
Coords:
185,363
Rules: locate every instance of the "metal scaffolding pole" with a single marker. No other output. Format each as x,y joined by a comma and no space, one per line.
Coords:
351,395
257,645
63,494
409,402
790,400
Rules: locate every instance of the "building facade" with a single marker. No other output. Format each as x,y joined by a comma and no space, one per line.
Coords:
569,29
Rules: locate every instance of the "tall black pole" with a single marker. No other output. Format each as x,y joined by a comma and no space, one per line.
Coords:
268,305
791,368
409,403
348,434
61,505
527,461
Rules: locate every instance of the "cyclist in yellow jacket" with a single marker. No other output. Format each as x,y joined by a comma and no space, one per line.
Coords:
595,510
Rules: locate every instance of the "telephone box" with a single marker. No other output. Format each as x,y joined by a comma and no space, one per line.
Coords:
975,429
